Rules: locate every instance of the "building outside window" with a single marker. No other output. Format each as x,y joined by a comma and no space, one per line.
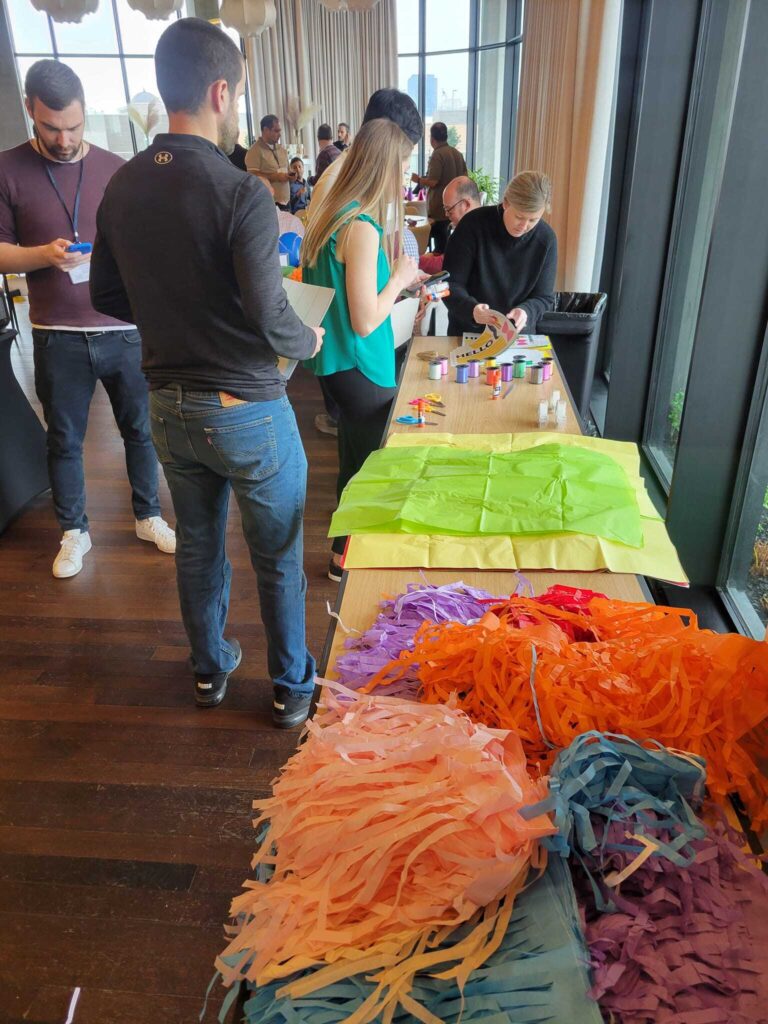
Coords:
459,60
112,51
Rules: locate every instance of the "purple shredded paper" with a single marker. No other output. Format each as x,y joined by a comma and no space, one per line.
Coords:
395,627
677,950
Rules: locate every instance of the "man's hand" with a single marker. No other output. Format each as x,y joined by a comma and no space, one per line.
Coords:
518,316
56,255
319,332
482,313
415,177
282,176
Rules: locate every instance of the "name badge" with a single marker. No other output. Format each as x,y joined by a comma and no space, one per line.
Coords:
79,275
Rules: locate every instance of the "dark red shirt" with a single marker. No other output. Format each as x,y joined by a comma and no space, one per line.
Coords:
31,214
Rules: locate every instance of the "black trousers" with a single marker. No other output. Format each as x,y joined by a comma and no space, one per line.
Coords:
363,412
439,235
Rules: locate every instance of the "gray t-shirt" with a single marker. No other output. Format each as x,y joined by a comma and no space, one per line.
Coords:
32,214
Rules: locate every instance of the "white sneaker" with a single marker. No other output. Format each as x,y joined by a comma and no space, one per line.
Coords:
69,561
158,532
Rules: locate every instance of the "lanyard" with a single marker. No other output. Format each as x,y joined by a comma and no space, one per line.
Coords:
74,216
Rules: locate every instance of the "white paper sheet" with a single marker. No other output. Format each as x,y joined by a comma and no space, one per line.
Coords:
310,303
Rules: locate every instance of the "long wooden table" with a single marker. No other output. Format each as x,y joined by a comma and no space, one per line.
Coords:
469,410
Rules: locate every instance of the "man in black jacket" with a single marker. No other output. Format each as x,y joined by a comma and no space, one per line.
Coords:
187,250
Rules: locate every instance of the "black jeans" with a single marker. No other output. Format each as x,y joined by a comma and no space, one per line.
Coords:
363,413
67,366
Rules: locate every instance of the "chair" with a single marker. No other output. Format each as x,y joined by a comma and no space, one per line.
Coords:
416,208
421,234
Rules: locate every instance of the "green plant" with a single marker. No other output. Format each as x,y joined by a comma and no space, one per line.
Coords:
487,184
675,414
453,136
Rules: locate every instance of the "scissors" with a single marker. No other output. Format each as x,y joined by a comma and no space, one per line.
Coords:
413,421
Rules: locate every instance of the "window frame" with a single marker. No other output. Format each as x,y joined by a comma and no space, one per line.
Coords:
63,55
512,45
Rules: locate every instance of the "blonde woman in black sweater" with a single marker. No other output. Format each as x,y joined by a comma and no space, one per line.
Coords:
504,258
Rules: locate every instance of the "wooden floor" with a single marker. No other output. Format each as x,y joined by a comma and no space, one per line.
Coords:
125,812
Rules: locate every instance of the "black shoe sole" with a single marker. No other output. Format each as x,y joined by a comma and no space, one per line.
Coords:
290,721
215,699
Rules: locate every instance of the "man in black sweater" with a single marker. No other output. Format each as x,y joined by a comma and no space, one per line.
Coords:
187,249
503,258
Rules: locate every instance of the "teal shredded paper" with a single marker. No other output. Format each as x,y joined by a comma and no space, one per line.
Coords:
539,974
607,778
551,488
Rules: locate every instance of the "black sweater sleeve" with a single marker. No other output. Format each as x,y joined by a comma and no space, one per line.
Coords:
460,256
108,294
257,269
542,298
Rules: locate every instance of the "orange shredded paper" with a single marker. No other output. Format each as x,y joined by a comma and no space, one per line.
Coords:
393,824
636,669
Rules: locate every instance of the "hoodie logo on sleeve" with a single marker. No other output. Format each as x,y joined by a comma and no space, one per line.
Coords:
163,157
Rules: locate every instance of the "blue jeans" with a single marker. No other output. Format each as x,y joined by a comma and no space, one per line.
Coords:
253,449
67,366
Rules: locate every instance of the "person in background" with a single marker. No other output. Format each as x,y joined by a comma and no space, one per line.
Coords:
299,188
346,248
267,159
392,104
504,258
328,153
460,196
237,156
213,324
343,137
445,164
50,189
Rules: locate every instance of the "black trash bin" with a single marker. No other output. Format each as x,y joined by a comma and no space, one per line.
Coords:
573,327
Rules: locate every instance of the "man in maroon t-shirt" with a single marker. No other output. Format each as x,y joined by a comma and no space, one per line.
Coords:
50,190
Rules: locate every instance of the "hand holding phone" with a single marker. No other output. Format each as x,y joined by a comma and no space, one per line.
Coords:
81,247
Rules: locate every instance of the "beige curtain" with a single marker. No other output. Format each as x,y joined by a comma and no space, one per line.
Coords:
313,55
565,112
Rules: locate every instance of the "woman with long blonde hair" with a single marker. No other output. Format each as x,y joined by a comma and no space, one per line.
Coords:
349,247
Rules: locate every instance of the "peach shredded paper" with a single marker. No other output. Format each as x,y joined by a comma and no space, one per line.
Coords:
393,824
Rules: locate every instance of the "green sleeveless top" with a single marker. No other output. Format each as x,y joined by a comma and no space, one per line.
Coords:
342,349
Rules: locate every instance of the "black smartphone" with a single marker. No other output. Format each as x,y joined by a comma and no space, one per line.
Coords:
429,281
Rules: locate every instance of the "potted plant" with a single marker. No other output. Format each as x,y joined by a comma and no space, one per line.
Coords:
488,187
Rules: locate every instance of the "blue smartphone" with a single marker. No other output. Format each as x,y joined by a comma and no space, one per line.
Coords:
80,247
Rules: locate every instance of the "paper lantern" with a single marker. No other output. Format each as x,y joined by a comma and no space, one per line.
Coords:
349,5
66,10
248,17
156,10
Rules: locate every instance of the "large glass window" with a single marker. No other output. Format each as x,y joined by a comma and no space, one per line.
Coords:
459,61
696,204
112,50
746,572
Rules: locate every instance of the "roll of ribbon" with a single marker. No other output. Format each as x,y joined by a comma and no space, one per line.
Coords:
444,366
435,370
474,367
537,374
506,372
518,367
462,373
547,364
